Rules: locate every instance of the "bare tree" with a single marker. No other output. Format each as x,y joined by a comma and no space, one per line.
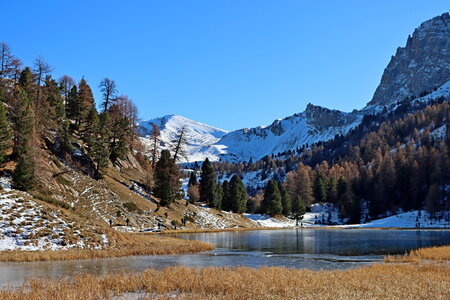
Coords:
41,70
178,145
5,58
155,144
66,83
128,109
108,88
16,68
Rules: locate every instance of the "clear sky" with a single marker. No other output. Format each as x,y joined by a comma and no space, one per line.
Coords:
230,64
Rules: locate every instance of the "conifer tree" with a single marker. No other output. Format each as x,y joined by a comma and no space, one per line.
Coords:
271,203
218,196
26,82
226,197
355,212
332,191
298,208
86,101
23,177
120,129
192,179
285,203
55,100
98,144
167,181
73,105
5,132
238,195
320,187
207,183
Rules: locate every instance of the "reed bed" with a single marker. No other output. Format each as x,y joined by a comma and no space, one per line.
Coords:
121,244
380,281
438,254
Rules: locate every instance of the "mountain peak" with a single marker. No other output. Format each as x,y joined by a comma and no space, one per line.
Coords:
419,67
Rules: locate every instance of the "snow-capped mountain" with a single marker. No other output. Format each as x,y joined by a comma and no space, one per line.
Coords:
314,124
421,67
198,135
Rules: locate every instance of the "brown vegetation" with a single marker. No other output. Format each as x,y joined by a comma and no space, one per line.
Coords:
380,281
439,254
120,244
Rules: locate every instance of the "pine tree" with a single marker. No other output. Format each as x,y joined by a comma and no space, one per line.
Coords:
320,187
218,195
5,132
207,183
120,129
238,195
26,82
332,191
98,142
167,182
286,203
355,212
73,105
298,208
23,122
271,203
226,197
86,102
192,179
23,177
54,99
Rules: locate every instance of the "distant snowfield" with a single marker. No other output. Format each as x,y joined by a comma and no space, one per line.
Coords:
412,219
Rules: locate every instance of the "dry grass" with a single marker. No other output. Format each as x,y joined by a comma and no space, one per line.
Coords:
381,281
439,254
121,244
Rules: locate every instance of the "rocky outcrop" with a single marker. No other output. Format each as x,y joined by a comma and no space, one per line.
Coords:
419,67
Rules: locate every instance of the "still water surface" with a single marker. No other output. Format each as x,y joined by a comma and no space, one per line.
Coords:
293,248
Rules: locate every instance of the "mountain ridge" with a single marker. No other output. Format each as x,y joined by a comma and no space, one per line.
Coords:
417,69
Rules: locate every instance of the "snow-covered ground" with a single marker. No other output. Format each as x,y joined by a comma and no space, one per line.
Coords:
24,225
411,219
323,215
268,221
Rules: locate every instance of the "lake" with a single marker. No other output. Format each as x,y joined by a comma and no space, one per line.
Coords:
293,248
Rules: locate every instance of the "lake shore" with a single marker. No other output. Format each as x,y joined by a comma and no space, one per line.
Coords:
153,243
423,273
120,245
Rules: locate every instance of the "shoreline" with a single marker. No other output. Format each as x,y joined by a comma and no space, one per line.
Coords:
181,231
157,243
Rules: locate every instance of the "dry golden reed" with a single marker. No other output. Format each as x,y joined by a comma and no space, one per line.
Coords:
379,281
121,244
439,254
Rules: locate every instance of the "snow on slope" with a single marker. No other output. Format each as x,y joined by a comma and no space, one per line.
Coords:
411,219
319,215
198,135
313,125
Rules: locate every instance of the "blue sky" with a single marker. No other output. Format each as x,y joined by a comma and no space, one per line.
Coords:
230,64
